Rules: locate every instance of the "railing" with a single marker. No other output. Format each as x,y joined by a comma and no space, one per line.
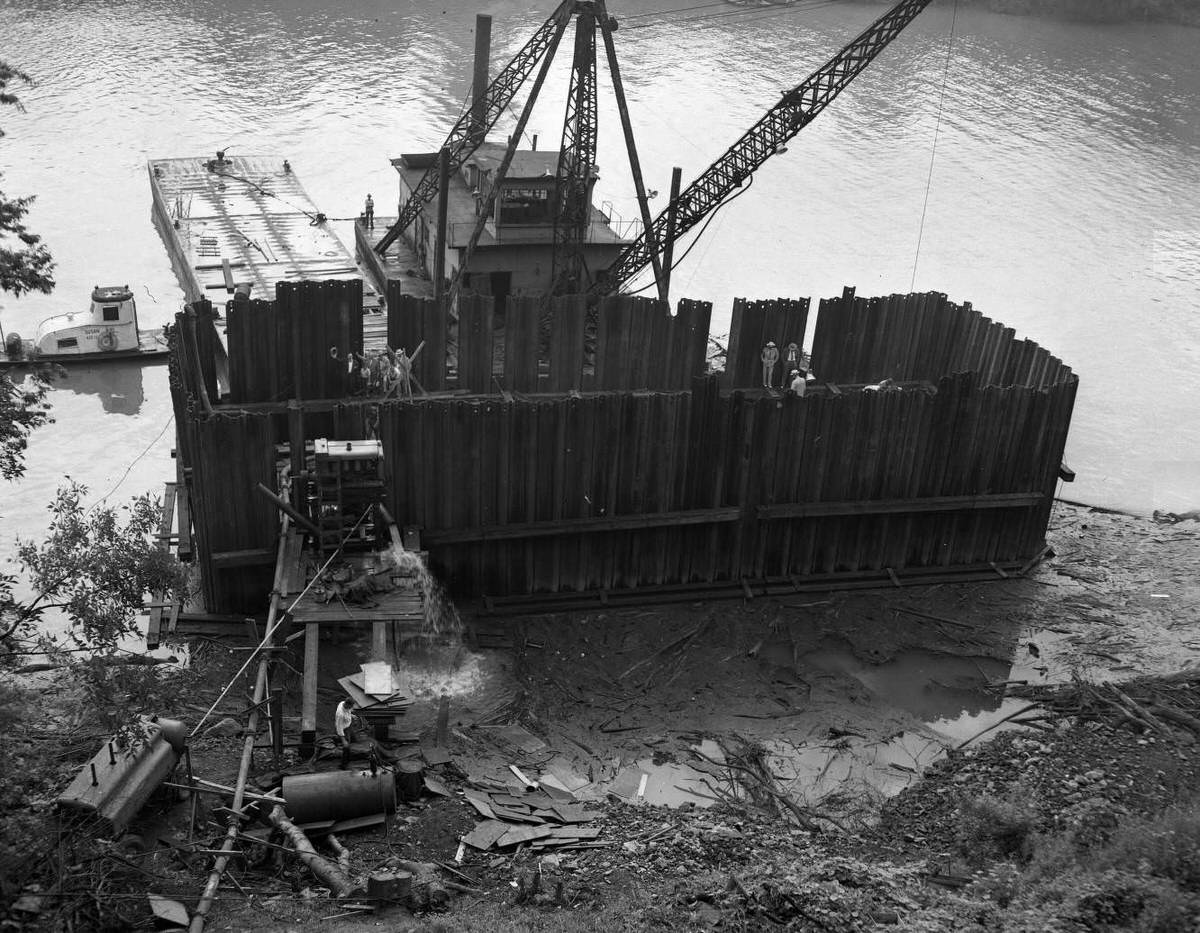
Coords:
598,231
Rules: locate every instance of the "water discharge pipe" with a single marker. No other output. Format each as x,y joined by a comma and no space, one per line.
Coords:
393,528
290,512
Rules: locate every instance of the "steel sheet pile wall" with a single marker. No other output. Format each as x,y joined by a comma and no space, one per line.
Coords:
632,343
225,454
617,490
752,325
641,345
923,337
297,346
521,494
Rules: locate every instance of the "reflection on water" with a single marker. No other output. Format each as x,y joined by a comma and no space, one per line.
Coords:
927,684
1064,199
118,385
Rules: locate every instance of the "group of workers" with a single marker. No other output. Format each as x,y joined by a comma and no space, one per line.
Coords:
798,376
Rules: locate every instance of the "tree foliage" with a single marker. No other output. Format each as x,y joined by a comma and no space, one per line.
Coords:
25,263
96,566
23,408
25,266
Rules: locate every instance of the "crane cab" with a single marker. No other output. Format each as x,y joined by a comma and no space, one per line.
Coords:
108,326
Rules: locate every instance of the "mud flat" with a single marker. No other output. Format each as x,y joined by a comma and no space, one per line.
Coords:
802,753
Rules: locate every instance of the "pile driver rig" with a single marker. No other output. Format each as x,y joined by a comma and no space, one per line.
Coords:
796,108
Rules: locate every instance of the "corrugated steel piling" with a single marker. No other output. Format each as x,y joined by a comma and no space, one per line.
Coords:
606,459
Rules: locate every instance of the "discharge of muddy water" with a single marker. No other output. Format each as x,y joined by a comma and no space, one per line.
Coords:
1063,199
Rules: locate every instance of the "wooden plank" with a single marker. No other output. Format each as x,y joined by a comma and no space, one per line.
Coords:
485,834
519,834
308,696
166,515
250,557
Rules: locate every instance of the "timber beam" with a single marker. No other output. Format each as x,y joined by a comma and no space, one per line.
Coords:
576,526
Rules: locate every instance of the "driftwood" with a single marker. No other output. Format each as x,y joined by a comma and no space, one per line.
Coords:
1145,705
134,659
327,873
428,891
343,854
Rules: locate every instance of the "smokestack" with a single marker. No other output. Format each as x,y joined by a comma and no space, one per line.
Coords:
483,54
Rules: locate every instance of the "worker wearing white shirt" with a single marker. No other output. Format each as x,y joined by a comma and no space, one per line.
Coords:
343,718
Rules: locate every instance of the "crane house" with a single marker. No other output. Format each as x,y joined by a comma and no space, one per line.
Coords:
515,252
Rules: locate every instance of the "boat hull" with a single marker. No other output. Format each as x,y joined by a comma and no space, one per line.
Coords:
152,348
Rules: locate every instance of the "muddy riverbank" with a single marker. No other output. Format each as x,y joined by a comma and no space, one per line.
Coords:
849,708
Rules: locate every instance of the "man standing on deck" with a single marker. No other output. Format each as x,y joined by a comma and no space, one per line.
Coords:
369,213
770,356
342,720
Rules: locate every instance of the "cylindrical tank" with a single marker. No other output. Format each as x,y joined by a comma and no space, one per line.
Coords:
114,785
338,795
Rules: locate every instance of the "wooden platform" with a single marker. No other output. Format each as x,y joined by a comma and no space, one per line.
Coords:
245,221
403,605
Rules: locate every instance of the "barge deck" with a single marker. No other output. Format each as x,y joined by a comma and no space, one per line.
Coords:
245,220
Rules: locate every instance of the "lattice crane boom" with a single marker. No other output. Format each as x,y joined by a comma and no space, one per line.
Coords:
795,110
471,129
576,159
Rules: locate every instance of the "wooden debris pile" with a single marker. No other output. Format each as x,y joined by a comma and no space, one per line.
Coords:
376,691
542,816
1168,707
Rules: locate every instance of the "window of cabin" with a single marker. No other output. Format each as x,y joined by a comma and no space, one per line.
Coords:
67,343
112,312
524,205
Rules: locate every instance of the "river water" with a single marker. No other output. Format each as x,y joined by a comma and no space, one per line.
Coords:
1063,196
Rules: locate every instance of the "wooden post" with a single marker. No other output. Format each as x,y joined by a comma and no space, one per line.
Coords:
479,86
410,779
308,703
443,720
669,241
379,640
439,243
277,723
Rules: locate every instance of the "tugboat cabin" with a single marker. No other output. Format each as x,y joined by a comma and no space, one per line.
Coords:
108,326
515,253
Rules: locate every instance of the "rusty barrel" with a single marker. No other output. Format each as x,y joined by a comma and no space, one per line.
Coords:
338,795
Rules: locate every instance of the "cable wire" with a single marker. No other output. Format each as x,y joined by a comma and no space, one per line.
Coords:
279,622
699,236
933,152
132,464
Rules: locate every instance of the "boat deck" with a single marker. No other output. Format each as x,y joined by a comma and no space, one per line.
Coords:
399,265
246,220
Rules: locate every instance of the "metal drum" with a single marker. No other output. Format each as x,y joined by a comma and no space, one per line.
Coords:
338,795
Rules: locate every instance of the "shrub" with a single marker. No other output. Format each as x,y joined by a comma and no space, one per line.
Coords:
1167,846
997,827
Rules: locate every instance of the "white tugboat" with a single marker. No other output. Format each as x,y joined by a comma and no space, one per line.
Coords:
108,330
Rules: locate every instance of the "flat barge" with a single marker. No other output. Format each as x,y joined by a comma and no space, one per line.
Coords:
231,221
